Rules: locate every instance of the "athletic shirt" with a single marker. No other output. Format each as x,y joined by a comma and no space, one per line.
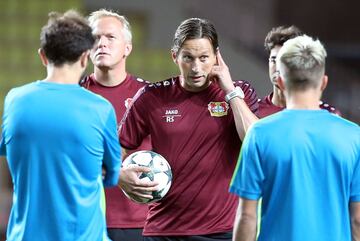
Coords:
306,173
266,107
56,137
120,211
196,133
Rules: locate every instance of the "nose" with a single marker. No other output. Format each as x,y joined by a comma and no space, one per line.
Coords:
195,67
102,41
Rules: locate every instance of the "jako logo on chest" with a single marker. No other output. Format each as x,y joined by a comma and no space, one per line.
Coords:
171,112
170,115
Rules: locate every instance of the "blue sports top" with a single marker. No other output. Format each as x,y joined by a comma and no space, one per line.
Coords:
56,137
305,166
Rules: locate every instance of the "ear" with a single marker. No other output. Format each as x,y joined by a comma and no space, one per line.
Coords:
43,58
128,49
324,82
84,59
174,57
280,83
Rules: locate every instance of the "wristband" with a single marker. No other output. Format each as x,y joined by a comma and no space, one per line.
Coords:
237,92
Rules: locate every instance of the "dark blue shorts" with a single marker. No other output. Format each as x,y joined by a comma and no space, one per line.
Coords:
125,234
210,237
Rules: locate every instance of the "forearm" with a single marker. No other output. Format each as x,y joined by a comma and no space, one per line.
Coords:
355,220
245,228
243,116
355,230
245,221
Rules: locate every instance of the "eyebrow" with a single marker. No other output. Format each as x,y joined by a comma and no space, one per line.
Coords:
186,52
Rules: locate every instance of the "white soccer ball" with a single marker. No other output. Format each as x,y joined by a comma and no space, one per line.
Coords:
160,172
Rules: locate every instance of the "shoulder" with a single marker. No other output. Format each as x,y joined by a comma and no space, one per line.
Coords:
96,99
268,120
344,122
87,81
264,100
155,90
21,90
243,84
248,90
266,107
137,80
161,86
330,108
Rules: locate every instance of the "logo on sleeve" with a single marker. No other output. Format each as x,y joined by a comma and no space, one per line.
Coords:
218,109
170,115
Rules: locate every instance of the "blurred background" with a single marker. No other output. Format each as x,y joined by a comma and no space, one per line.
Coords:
241,24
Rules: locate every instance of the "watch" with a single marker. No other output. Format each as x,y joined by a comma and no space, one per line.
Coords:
237,92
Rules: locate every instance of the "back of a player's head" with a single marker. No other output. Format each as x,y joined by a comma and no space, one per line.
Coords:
301,62
279,35
65,37
194,28
102,13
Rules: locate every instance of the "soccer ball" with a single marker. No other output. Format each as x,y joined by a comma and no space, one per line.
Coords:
160,172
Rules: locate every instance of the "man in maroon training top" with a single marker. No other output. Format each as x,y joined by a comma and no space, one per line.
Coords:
196,121
125,219
275,101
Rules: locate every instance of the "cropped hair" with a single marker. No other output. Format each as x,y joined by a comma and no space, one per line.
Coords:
301,62
279,35
65,37
96,15
194,28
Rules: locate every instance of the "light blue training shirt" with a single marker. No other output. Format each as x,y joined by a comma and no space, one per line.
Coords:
56,137
305,166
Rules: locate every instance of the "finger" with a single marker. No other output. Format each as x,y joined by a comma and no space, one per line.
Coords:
219,58
144,183
137,168
136,195
146,189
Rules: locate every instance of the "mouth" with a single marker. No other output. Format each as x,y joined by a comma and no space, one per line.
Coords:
101,54
197,77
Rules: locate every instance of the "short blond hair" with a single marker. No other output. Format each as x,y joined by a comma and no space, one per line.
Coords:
96,15
301,62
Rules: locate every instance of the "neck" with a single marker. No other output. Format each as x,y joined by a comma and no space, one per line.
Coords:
278,97
308,100
110,77
66,74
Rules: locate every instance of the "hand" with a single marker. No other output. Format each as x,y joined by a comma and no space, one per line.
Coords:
220,73
133,185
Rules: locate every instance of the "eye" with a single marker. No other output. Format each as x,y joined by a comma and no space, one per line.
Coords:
272,60
186,58
203,58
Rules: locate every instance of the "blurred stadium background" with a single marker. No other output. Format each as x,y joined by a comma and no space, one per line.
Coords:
242,26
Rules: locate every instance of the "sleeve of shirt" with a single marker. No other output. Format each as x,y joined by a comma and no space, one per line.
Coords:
248,175
4,138
134,126
355,183
250,98
112,151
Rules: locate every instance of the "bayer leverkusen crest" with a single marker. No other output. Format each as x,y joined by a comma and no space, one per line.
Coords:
218,109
